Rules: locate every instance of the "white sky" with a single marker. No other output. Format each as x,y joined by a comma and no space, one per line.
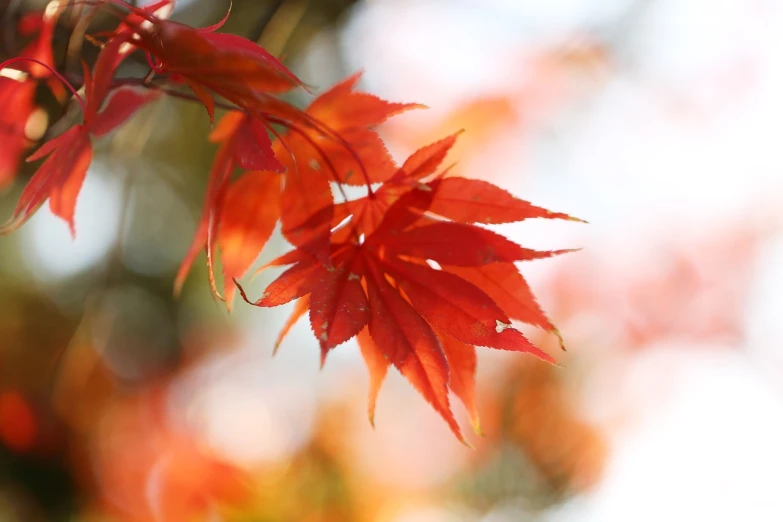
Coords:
688,135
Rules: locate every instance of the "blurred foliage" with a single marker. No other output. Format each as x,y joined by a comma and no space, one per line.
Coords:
74,351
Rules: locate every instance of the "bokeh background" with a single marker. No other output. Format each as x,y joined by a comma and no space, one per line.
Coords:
658,121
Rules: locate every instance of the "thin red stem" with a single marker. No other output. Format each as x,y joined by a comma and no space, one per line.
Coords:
315,147
51,70
327,131
320,152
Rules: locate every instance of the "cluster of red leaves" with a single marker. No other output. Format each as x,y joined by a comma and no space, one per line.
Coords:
18,124
406,269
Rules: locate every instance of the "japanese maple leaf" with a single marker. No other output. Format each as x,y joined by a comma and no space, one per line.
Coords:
17,90
211,64
344,147
359,156
60,177
240,215
243,213
366,213
423,320
457,199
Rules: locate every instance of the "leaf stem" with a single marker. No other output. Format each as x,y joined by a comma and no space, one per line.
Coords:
54,72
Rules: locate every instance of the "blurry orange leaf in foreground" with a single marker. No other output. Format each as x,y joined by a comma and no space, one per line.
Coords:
569,452
547,79
150,470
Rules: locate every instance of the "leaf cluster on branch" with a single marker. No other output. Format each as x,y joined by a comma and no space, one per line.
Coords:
406,269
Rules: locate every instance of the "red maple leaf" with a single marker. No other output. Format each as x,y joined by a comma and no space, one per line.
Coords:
18,129
239,215
343,148
421,285
60,177
407,269
209,63
354,115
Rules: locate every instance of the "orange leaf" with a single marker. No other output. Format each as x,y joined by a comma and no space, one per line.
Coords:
342,108
356,152
248,214
369,212
377,365
307,205
59,179
460,245
508,288
410,344
458,309
292,284
462,375
226,127
61,175
253,147
338,307
425,161
476,201
205,97
221,170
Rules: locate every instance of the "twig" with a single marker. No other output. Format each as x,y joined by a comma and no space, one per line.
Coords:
263,22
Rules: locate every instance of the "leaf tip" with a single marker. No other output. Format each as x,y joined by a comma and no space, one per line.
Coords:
559,338
465,442
541,354
12,225
554,253
554,362
476,424
416,106
324,351
559,215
